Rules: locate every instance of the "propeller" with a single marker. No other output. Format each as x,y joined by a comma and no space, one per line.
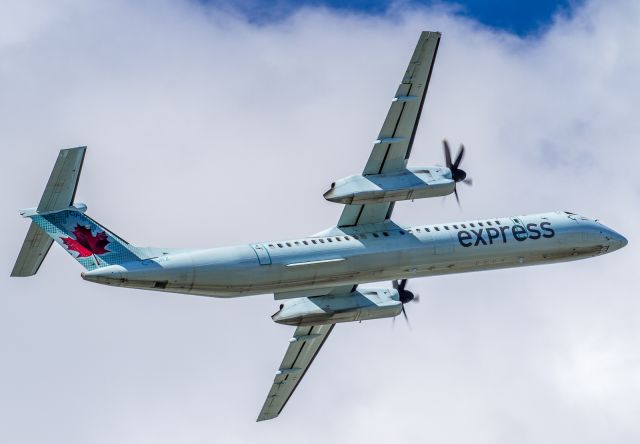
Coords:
457,173
405,297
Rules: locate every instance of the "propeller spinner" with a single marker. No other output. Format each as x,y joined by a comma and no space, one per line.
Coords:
405,296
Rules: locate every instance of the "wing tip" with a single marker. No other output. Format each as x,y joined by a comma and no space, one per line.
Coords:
266,417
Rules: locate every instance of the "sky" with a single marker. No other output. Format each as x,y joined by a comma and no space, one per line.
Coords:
521,18
206,127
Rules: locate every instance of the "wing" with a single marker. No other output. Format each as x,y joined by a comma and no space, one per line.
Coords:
303,348
393,145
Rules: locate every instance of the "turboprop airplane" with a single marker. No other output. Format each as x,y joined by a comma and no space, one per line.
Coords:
318,278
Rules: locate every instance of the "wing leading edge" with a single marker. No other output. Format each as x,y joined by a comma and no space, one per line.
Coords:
392,148
303,348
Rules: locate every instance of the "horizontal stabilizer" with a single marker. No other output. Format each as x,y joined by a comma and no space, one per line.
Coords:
34,249
61,188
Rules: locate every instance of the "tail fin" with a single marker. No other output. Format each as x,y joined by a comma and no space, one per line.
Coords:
58,218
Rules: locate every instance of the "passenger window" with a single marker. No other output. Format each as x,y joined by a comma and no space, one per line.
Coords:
329,239
497,222
418,230
338,239
446,227
355,236
472,226
385,234
437,228
270,245
313,241
305,242
455,226
463,225
375,235
427,230
401,232
481,224
321,241
297,243
489,222
288,244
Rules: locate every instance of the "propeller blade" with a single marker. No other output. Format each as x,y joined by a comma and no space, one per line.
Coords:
459,157
447,153
406,318
403,282
468,181
455,191
395,284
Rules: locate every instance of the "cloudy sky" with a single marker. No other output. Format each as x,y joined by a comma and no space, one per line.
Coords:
214,123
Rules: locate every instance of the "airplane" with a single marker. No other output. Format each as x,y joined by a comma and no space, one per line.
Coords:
317,279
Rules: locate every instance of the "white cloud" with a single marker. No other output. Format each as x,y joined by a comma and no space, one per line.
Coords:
204,130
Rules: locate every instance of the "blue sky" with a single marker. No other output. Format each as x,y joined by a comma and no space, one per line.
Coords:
518,17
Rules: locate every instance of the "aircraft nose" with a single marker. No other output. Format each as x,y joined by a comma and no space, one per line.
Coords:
616,240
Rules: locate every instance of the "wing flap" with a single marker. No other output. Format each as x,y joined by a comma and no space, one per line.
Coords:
365,214
303,348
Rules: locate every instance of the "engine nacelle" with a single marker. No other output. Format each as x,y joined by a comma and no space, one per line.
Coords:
412,183
370,303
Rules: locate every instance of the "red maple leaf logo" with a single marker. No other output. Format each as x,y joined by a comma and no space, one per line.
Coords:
85,243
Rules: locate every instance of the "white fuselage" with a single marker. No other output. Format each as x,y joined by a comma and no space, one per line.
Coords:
348,256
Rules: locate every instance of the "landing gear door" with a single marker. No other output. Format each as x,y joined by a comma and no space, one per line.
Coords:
263,255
